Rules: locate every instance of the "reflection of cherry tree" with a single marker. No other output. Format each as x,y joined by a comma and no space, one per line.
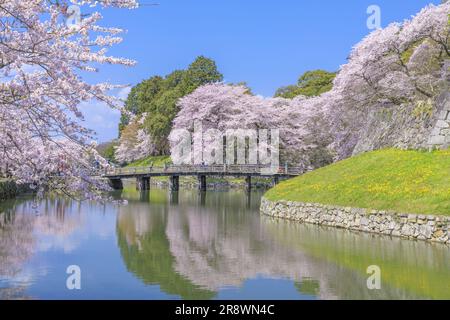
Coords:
216,250
195,251
60,218
20,228
214,255
145,250
58,224
17,241
202,227
135,223
14,293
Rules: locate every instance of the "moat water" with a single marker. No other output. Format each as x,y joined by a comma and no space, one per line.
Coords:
192,245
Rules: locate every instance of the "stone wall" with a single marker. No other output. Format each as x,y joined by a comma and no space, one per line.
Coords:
401,128
409,126
440,134
413,226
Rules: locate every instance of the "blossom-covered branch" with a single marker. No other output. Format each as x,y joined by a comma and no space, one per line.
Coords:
42,59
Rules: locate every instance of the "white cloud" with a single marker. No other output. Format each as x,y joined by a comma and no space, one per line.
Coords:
123,93
101,118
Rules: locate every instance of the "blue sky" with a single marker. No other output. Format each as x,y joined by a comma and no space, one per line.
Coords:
268,44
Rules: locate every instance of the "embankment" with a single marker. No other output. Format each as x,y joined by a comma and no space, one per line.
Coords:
412,226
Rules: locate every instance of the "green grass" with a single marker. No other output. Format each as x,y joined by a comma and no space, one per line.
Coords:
158,161
402,181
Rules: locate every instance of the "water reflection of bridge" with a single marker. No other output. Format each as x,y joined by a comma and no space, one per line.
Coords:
143,174
173,197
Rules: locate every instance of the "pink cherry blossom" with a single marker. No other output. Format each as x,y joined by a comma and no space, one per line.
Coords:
42,60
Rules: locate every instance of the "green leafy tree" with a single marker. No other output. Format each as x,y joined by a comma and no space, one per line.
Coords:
310,84
158,97
287,92
174,79
106,150
200,72
158,122
131,105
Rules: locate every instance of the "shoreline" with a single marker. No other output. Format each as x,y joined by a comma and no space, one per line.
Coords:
432,228
9,189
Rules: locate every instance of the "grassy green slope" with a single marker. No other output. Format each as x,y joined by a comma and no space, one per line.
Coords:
405,181
158,161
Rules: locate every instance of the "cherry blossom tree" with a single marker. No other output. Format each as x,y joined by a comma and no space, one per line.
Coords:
42,60
134,143
302,127
63,166
396,68
392,69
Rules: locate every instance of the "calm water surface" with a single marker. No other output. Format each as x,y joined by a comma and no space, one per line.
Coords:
201,246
